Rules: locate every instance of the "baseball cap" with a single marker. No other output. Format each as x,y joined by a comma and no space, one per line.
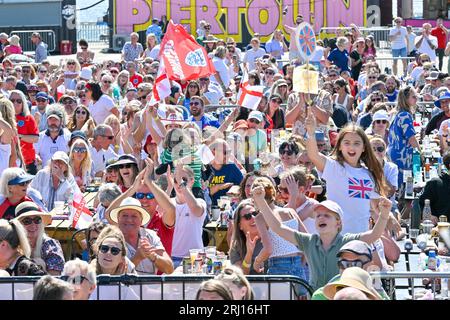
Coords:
3,36
357,247
36,34
276,96
380,115
66,97
320,136
332,206
22,177
443,96
256,115
78,134
42,95
360,40
61,155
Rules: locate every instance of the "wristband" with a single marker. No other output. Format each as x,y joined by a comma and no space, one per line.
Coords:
245,264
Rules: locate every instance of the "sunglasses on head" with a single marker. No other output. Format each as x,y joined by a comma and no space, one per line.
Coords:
27,221
381,121
75,279
378,149
344,264
105,249
142,195
18,101
79,149
81,112
125,166
250,215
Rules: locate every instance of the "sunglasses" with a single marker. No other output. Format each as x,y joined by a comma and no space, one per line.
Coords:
42,71
116,72
276,101
70,63
109,137
194,103
142,98
23,184
250,215
79,149
332,75
376,100
381,121
81,96
254,121
344,264
105,249
83,48
81,112
26,70
270,73
286,151
41,100
18,101
204,79
141,195
378,149
372,77
74,280
28,221
107,82
125,166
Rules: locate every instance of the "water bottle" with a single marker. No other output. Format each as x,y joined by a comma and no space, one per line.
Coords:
432,260
427,147
439,166
423,261
427,169
416,165
426,212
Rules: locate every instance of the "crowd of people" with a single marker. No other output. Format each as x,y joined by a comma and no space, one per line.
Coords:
314,180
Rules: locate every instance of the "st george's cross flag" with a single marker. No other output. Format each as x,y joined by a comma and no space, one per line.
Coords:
80,216
249,96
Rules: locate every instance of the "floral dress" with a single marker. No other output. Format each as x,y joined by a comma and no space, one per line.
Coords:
399,150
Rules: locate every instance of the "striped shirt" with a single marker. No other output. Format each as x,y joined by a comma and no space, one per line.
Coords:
195,164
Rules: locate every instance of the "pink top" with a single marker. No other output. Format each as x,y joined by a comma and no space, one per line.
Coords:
10,49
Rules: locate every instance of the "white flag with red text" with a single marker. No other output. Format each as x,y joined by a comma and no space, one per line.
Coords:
80,216
249,96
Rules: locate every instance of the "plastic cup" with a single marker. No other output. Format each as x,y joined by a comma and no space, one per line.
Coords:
97,181
210,251
59,207
413,233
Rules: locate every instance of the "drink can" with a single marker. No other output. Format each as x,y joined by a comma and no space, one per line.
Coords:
187,265
202,255
217,267
198,264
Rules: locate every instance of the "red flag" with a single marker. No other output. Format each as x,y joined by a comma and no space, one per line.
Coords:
183,57
249,96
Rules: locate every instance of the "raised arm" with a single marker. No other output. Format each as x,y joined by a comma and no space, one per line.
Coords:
272,221
317,158
384,208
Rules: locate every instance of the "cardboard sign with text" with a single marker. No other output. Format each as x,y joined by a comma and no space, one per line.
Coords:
306,81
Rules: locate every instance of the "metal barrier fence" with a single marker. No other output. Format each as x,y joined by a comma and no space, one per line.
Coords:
380,34
386,63
134,287
412,276
48,36
93,32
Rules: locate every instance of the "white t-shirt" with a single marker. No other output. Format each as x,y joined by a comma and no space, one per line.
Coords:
425,47
391,173
46,147
400,41
222,69
188,230
415,74
412,38
309,223
152,53
318,54
250,57
102,108
100,157
351,188
5,153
